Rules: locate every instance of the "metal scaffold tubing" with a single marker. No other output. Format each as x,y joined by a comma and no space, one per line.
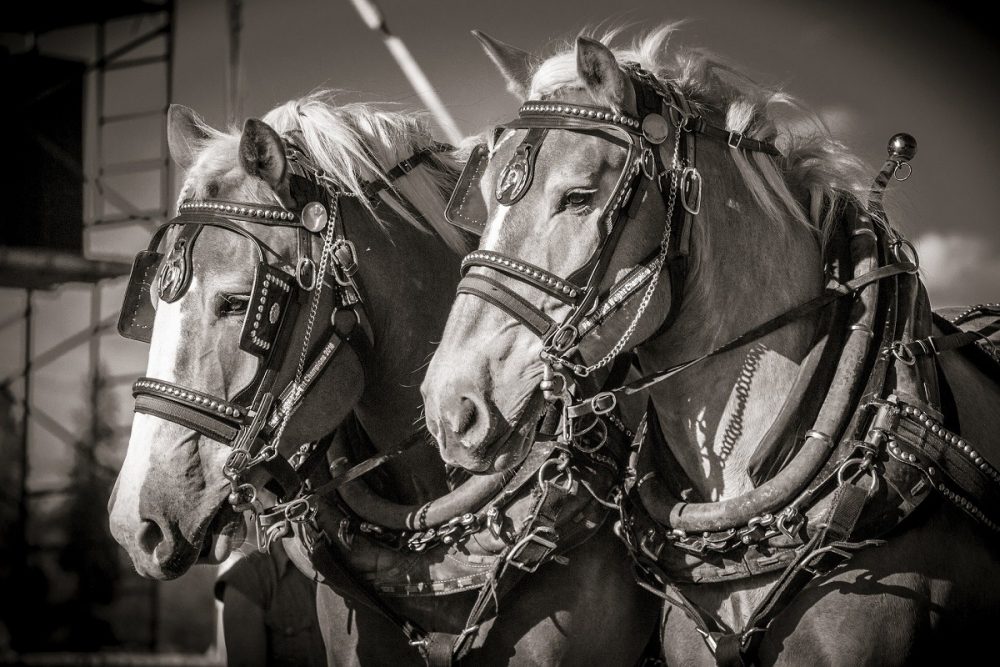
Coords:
375,20
62,347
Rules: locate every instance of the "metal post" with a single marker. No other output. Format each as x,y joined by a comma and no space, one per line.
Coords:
22,500
375,20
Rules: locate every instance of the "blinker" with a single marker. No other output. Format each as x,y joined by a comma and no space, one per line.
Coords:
175,275
466,208
314,216
513,181
516,177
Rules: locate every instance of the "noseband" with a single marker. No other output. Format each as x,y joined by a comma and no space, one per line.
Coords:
252,422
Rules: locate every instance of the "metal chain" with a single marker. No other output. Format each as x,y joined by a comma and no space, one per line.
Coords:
329,240
324,258
660,262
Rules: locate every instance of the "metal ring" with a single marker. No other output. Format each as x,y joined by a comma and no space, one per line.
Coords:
603,439
691,176
648,163
563,338
604,402
302,264
902,167
903,353
561,471
298,509
236,462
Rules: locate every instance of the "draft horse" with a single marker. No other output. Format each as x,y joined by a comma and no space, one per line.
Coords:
290,308
815,481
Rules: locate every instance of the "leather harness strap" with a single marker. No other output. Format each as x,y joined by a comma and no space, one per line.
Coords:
253,420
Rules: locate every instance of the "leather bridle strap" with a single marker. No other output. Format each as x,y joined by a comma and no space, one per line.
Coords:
509,301
405,167
209,416
838,291
549,283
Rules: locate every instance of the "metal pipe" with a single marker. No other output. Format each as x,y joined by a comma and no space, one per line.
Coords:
375,20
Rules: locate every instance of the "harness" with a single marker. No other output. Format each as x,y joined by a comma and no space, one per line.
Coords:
816,494
645,138
493,530
252,421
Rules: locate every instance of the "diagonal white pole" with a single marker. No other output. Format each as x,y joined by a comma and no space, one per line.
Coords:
373,18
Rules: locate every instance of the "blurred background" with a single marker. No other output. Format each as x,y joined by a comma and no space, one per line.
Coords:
86,178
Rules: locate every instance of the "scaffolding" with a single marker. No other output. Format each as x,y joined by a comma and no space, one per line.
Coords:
127,190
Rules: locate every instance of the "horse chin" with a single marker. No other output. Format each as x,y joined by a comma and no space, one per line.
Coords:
225,534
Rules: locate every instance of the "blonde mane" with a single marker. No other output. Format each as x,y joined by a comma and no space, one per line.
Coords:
818,173
355,144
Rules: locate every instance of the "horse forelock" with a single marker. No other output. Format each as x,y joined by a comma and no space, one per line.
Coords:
352,143
815,164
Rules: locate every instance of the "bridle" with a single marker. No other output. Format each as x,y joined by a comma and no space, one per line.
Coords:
252,422
645,136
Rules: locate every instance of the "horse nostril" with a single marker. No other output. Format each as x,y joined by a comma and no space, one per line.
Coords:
150,536
467,415
462,416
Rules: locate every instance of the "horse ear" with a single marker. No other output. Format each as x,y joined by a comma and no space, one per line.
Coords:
598,67
513,63
185,132
262,154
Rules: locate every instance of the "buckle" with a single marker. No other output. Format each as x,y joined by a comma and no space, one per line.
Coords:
603,403
563,338
406,166
734,140
532,538
345,262
813,565
305,274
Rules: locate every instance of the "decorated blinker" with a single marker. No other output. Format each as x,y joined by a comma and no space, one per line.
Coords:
513,181
175,276
314,216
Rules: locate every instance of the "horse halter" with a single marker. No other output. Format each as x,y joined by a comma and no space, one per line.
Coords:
644,136
252,422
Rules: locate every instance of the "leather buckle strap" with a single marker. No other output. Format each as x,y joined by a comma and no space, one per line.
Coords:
531,551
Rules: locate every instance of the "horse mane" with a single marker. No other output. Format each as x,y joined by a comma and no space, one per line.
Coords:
359,142
354,144
816,167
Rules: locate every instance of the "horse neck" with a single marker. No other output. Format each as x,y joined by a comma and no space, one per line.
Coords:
744,269
408,278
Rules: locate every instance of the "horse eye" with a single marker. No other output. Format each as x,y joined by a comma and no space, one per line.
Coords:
577,199
233,304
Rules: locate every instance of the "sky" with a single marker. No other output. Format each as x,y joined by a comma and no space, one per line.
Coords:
869,69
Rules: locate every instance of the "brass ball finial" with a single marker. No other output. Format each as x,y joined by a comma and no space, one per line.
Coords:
902,147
